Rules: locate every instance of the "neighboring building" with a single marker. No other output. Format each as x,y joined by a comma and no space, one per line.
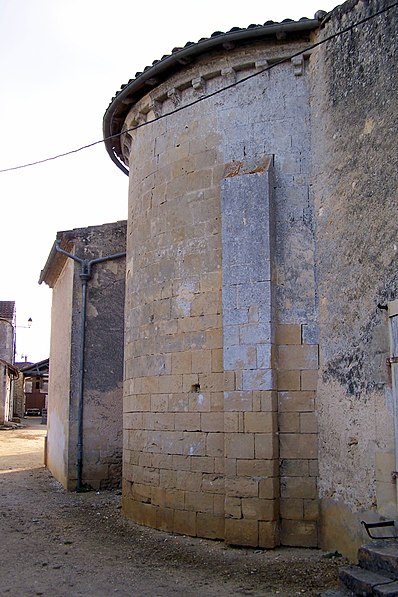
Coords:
19,394
35,387
8,372
262,236
84,432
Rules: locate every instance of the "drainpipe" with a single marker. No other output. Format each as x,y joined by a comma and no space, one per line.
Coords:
85,276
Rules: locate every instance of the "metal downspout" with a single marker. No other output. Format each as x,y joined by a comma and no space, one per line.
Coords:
85,276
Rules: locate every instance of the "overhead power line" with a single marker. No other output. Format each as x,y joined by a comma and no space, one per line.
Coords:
217,92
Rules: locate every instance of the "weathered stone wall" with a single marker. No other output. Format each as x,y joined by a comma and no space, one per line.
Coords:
103,369
57,446
103,376
354,124
220,296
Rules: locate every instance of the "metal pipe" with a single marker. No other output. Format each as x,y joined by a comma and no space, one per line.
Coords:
85,276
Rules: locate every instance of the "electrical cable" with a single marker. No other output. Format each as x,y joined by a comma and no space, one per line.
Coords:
201,99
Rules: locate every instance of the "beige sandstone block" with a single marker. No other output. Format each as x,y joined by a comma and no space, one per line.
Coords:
159,402
268,534
203,464
238,401
298,446
211,281
181,362
308,423
233,507
185,523
175,499
217,365
231,422
311,509
260,422
268,488
239,445
298,357
289,380
294,468
144,514
217,402
241,532
296,401
201,361
266,446
257,468
296,533
187,422
213,483
210,526
199,502
289,422
299,487
215,444
212,421
169,384
292,508
165,519
188,481
309,379
181,462
288,334
260,509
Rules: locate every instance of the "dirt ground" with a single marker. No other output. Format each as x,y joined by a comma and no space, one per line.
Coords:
61,544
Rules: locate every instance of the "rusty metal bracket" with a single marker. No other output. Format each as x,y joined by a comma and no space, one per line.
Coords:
391,361
376,525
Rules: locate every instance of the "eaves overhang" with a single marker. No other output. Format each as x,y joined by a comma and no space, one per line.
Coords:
160,70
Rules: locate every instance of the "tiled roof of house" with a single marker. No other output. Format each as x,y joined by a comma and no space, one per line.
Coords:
155,74
7,309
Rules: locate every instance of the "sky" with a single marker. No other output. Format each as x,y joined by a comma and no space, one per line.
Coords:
61,62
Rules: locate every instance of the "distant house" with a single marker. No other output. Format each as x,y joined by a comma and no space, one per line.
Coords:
8,371
86,270
34,378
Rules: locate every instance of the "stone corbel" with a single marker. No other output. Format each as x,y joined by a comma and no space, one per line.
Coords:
199,84
175,96
229,75
261,65
298,65
156,108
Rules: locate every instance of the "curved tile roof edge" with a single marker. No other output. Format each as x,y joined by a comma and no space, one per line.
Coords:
179,57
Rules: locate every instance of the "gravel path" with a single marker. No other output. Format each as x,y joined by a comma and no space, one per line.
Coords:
60,544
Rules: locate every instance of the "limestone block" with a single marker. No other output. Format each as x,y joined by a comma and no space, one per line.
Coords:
289,422
288,334
210,526
260,509
298,487
266,446
298,446
292,508
298,357
260,422
309,379
185,523
289,380
296,401
241,532
239,445
268,534
296,533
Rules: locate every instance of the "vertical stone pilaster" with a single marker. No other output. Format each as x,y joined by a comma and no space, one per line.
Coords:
251,447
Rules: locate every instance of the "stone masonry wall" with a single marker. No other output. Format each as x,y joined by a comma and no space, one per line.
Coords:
220,295
354,109
103,377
